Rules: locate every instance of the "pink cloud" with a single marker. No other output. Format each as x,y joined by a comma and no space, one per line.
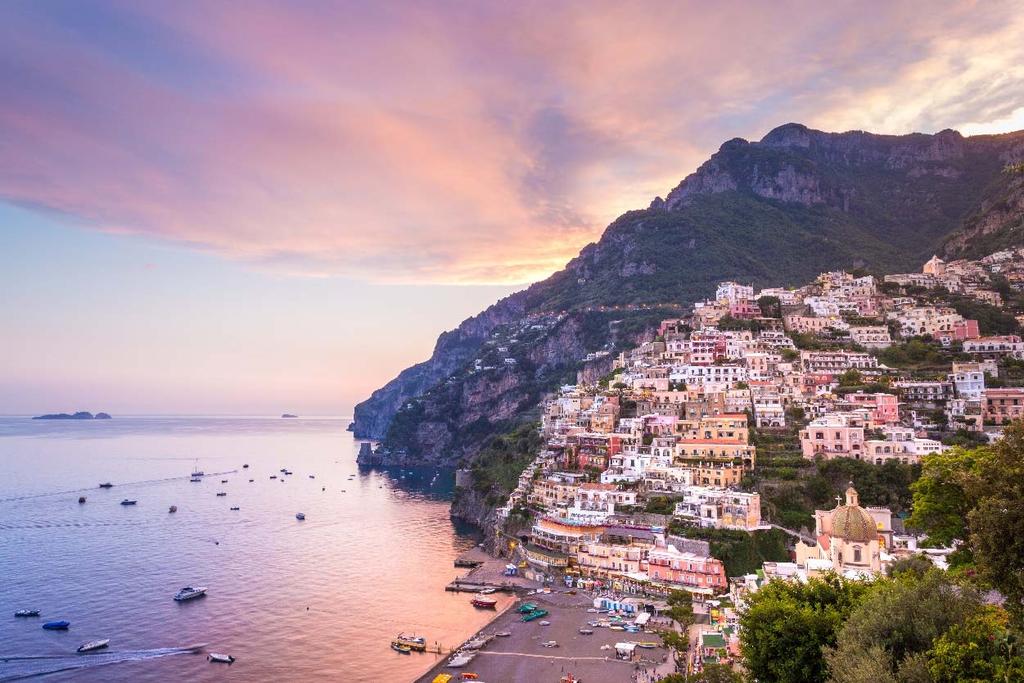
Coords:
452,143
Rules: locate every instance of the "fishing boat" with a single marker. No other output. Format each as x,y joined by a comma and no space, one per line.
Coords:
484,602
172,509
27,613
245,466
221,494
536,614
647,645
236,508
251,480
222,659
398,647
106,485
129,501
223,481
312,476
189,593
273,476
417,643
300,516
94,645
196,480
81,500
61,625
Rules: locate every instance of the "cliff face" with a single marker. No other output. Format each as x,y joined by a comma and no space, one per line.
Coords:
773,212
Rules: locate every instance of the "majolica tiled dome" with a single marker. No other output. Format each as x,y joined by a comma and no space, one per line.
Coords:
851,522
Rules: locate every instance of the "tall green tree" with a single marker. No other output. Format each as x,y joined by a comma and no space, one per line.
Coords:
889,633
981,649
680,608
787,625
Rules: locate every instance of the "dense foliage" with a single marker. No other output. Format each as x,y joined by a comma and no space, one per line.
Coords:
740,552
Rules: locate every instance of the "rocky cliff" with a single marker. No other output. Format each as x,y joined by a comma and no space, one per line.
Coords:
772,212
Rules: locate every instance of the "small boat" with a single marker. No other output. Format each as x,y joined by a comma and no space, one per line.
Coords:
221,493
94,645
545,623
300,516
223,481
251,480
417,643
222,659
586,631
550,643
283,470
289,472
273,476
647,645
81,500
129,501
27,613
488,591
398,647
106,485
484,603
189,593
195,480
312,477
245,466
469,676
173,509
236,508
503,634
61,625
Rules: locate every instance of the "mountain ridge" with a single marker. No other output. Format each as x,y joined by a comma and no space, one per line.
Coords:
770,212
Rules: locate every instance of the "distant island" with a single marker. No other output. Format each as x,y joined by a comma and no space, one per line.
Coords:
81,415
289,415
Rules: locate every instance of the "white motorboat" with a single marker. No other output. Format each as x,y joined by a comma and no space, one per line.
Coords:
93,645
223,659
190,593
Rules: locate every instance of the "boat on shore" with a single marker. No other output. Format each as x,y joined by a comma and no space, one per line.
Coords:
189,593
106,485
27,613
219,658
61,625
93,645
484,602
503,634
129,501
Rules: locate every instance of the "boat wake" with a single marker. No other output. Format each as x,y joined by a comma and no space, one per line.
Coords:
20,667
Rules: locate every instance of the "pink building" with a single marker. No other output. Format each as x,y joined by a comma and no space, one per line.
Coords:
884,408
745,309
835,435
966,329
696,573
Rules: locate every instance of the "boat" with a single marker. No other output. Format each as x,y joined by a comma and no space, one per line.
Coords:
81,499
251,480
469,676
398,647
61,625
417,643
189,593
245,466
488,591
195,480
587,631
484,602
129,501
300,516
647,645
545,623
236,508
526,608
312,476
94,645
536,614
503,634
106,485
549,643
27,613
460,659
222,659
173,509
196,472
223,481
273,476
221,493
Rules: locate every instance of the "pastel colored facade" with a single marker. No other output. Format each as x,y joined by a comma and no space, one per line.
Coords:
720,474
968,380
833,436
696,573
1003,405
604,560
807,324
900,444
996,347
733,292
871,336
849,540
718,508
883,408
836,362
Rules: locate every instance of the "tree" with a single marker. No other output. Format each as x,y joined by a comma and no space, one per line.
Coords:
981,649
660,505
716,673
918,565
941,501
893,627
680,608
786,626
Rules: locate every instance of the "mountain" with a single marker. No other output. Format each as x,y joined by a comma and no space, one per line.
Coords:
773,212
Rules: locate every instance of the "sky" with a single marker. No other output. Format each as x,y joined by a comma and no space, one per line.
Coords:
259,207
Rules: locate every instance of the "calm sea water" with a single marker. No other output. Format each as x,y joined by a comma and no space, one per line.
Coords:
291,600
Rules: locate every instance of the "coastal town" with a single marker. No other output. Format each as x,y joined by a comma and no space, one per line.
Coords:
645,471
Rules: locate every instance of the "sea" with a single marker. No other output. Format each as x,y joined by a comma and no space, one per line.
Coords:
291,600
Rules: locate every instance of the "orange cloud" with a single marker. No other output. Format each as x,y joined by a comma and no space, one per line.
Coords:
458,143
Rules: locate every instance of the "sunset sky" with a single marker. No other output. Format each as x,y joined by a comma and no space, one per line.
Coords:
249,207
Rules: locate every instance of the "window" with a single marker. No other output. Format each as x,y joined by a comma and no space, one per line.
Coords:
856,554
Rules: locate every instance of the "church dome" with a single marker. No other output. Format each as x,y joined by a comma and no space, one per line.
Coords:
851,522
